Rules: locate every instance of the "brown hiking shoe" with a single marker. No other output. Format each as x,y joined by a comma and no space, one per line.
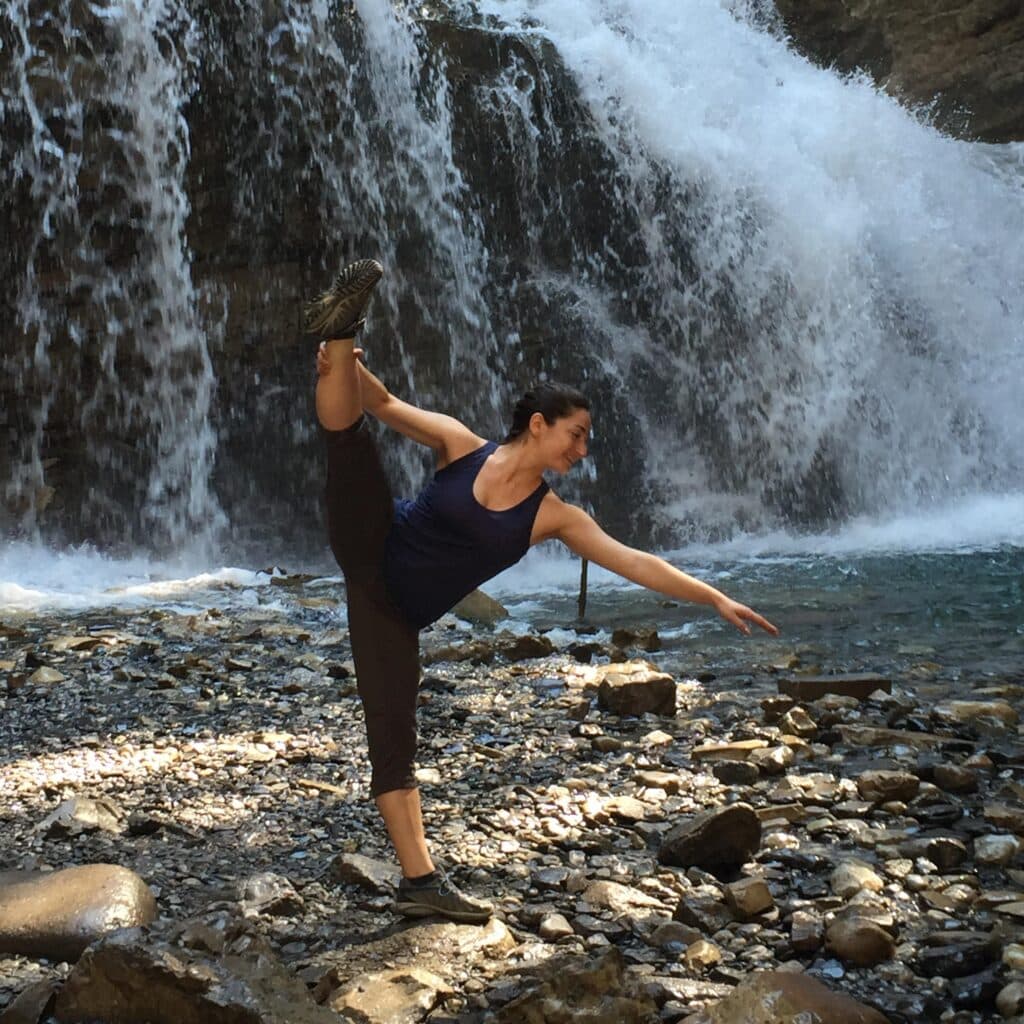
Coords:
442,897
338,312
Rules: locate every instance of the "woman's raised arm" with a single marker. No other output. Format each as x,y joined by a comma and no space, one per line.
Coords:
448,437
581,534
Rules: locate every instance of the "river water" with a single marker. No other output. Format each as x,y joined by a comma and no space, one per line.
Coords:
934,600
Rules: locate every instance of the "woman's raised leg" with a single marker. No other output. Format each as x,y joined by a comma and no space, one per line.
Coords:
339,400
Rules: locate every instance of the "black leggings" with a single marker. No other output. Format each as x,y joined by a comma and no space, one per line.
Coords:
385,647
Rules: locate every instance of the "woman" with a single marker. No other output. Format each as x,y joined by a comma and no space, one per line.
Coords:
406,563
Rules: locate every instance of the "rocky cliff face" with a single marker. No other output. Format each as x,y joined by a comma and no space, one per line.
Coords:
965,58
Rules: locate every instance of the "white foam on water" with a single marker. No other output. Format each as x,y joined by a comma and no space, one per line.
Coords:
978,523
37,579
34,578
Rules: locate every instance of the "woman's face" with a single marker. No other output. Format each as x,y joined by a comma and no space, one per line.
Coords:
564,442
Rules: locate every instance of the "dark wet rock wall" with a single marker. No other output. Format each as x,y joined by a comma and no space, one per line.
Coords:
965,60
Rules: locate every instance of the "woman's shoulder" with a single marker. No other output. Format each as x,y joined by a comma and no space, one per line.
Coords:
462,446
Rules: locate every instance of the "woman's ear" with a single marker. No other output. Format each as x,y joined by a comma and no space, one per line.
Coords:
537,423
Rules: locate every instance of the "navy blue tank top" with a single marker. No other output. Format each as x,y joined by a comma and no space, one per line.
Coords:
445,544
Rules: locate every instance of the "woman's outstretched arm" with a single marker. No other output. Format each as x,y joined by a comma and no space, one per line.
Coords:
448,437
581,534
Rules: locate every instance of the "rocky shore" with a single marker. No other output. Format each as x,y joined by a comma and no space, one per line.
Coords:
659,847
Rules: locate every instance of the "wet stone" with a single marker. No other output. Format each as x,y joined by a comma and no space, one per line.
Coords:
954,955
955,779
858,685
735,773
715,839
57,914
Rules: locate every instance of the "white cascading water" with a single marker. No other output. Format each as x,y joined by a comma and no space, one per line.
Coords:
875,266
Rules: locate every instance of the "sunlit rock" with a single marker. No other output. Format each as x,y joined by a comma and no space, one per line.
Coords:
637,691
851,877
400,996
859,942
996,850
992,713
748,898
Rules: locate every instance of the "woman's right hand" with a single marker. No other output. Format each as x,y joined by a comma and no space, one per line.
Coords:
323,364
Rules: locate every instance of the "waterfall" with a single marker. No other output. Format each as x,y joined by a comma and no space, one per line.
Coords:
833,292
792,301
96,150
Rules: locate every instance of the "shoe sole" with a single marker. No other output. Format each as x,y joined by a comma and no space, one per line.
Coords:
338,311
425,910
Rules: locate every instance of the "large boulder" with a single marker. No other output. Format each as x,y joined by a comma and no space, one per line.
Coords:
57,914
